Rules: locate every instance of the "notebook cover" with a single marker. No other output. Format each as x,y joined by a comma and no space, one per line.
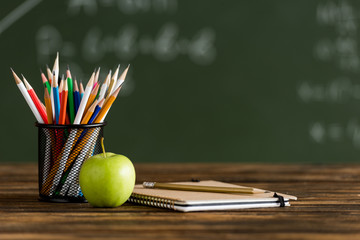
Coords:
193,198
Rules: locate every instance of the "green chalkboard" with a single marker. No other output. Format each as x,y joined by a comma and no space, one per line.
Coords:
210,81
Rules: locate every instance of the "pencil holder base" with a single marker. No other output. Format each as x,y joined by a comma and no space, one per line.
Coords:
43,198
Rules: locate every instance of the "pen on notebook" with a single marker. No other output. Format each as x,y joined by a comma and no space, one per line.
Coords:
197,188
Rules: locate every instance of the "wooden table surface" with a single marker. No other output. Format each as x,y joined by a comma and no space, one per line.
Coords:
328,206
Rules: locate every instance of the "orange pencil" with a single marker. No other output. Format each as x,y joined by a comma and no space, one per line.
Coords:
107,106
91,97
89,113
48,106
63,103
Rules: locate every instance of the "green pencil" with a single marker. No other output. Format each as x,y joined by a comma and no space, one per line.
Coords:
45,82
70,96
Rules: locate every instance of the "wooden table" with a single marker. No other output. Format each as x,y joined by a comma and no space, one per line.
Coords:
328,206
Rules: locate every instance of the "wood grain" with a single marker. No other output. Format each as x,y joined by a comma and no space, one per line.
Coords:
328,206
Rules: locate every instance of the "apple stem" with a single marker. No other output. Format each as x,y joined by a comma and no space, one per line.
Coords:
102,146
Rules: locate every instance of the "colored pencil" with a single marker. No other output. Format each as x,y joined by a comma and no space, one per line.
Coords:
84,100
61,86
36,100
63,106
45,81
116,73
112,83
96,111
56,67
121,78
107,106
56,98
89,113
110,88
71,106
68,73
91,98
76,97
48,106
96,77
102,91
27,97
81,90
49,73
50,77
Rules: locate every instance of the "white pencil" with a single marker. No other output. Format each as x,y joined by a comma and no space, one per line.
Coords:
50,77
97,75
102,91
116,73
84,99
56,67
121,79
26,95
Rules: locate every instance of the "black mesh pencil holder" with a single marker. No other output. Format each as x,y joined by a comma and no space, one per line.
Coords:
62,150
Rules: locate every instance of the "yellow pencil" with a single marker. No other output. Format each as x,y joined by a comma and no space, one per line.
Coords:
89,113
48,106
106,106
91,97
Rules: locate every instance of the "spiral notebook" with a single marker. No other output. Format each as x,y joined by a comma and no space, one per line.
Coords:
187,201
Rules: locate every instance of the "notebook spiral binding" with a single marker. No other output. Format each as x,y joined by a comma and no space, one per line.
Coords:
152,201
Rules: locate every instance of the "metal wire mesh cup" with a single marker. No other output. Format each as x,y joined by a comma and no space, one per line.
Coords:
62,150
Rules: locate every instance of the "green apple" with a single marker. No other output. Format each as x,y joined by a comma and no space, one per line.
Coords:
107,179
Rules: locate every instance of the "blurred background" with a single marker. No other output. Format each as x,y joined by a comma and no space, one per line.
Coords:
210,81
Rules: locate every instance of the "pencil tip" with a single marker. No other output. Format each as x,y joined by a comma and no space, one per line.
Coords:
41,72
11,69
67,67
47,66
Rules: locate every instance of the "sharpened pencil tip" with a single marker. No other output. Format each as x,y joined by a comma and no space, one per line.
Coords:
47,66
67,67
41,72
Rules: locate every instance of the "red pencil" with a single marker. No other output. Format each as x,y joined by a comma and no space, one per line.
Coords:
36,100
64,97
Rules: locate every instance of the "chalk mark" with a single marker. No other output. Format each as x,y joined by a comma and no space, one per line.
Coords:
17,13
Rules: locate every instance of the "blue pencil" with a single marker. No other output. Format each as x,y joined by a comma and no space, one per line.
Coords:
92,118
76,96
96,111
56,101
